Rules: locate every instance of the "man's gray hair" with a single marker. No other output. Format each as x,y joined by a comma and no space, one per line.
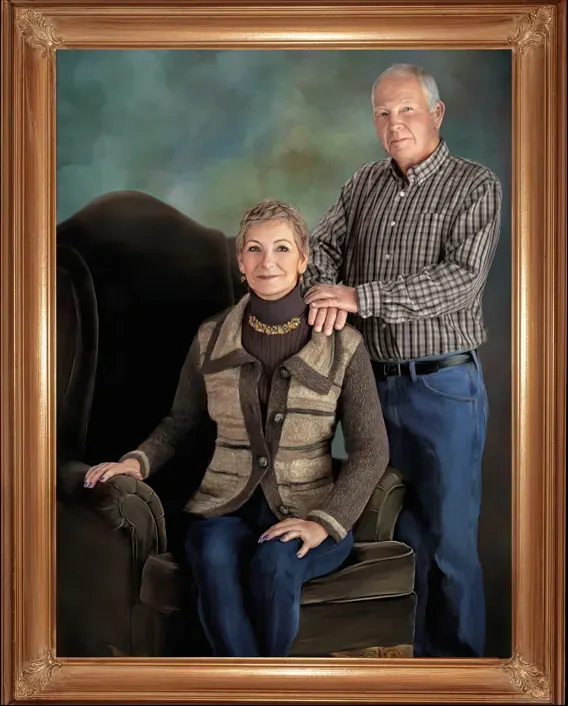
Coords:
427,81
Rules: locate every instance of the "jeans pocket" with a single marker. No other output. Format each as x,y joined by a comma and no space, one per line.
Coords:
459,383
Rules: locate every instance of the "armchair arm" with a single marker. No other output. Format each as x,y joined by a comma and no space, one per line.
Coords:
124,502
378,520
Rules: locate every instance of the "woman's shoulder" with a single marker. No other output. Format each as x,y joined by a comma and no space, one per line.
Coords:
349,334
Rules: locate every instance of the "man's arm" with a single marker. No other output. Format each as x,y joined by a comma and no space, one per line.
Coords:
452,284
327,242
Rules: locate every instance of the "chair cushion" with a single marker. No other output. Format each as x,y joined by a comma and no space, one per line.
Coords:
373,570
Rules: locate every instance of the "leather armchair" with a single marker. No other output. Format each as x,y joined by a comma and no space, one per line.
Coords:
135,278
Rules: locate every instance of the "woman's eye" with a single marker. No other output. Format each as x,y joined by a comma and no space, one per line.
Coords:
283,248
252,248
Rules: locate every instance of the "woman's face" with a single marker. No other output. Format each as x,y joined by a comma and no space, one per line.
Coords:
271,260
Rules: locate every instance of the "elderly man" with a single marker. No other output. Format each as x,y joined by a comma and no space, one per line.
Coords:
411,239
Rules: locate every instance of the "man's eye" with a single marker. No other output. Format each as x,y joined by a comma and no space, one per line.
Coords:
407,107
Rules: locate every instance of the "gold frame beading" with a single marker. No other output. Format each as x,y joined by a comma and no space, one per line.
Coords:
32,31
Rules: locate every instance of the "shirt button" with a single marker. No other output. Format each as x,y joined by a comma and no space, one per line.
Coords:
284,372
284,510
402,193
262,461
393,223
383,325
387,256
278,417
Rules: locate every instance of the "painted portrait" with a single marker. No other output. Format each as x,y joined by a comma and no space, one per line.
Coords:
208,134
146,143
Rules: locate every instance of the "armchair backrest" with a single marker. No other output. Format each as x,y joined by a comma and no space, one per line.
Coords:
135,279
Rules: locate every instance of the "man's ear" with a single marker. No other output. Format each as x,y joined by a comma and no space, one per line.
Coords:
439,114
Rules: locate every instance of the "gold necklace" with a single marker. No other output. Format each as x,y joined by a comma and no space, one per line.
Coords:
272,330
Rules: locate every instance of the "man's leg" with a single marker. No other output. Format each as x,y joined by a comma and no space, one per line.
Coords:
219,551
276,579
439,428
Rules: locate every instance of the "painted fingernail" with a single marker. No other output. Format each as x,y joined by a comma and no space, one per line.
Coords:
103,478
89,484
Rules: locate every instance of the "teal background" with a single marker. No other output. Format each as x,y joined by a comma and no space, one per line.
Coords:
212,132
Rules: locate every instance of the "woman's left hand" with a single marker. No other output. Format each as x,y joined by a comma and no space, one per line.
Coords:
311,533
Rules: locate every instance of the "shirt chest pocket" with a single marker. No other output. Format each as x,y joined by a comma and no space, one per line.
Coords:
418,242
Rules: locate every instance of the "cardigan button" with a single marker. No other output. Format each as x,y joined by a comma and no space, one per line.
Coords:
284,372
262,461
279,418
284,510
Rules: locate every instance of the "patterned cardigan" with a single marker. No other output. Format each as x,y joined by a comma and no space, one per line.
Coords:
329,380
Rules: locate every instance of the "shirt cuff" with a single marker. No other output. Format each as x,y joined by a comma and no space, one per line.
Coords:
367,303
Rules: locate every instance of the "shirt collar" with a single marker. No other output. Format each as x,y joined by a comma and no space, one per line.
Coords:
427,167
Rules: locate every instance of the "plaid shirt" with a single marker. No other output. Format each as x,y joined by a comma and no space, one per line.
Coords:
418,252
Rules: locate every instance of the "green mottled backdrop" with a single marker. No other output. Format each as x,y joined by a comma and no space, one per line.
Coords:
211,132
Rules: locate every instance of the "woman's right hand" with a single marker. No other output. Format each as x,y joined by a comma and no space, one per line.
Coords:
103,471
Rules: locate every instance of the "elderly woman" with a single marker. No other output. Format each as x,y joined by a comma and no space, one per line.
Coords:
270,514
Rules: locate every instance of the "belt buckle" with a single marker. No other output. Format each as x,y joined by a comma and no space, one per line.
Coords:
390,369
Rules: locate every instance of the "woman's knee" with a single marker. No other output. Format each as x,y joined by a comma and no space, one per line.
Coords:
278,559
208,542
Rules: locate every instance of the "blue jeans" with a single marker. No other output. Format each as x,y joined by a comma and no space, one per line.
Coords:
436,428
248,594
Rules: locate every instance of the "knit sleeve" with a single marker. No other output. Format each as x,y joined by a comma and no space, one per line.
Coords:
367,449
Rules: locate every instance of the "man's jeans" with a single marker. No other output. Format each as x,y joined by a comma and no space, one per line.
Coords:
436,428
248,594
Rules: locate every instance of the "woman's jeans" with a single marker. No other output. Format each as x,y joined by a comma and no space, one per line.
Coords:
248,594
436,429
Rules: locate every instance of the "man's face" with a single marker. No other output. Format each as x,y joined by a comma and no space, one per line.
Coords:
406,126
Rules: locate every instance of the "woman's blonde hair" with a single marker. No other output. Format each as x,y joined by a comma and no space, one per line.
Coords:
272,210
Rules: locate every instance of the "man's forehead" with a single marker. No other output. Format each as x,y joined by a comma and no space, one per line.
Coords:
400,88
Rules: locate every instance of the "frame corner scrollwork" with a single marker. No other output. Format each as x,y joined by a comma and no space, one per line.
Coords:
38,31
533,29
527,678
37,675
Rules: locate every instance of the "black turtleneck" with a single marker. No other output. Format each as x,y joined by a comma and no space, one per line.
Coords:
271,350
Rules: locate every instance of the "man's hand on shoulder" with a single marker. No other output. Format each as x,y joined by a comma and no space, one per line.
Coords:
329,305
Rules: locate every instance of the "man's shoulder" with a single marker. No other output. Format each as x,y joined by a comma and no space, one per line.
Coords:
476,172
370,169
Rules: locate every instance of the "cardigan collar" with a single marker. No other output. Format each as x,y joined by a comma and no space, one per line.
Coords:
312,365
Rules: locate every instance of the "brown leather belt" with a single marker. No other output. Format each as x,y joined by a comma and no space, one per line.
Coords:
426,367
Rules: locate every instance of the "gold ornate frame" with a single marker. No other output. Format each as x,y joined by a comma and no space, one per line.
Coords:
31,33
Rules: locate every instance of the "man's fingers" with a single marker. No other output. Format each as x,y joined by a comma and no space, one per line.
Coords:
341,319
330,321
312,315
320,320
